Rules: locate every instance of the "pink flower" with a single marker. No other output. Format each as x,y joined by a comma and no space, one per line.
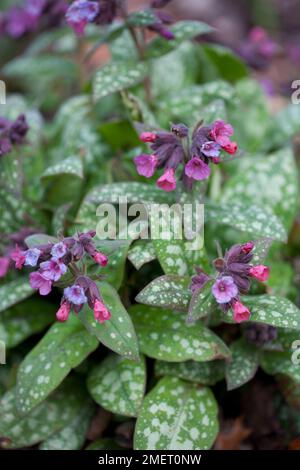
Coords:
224,289
39,282
18,256
197,169
247,247
100,258
63,312
145,164
101,313
230,148
220,132
147,136
260,272
4,265
240,312
53,269
167,181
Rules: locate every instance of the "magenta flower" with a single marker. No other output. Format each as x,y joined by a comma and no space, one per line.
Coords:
32,256
4,265
18,256
224,289
101,313
247,247
80,13
145,164
240,312
231,148
59,250
53,269
167,181
260,272
100,258
147,136
75,295
63,312
211,149
221,132
197,169
39,282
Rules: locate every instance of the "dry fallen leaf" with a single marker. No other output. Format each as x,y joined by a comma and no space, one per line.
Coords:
232,434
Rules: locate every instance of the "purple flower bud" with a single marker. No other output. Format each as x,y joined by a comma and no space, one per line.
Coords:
31,256
5,146
18,130
224,289
180,130
197,169
199,280
75,295
80,13
59,250
211,149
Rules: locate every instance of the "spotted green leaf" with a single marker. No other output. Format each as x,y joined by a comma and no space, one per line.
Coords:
13,292
201,303
272,310
70,166
118,333
39,239
282,364
183,31
142,18
47,418
72,436
63,347
243,365
177,415
141,253
258,221
163,334
25,319
117,76
205,373
118,384
270,181
166,291
183,105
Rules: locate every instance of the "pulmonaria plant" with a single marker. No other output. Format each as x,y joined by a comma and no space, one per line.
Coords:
172,152
12,133
54,260
233,279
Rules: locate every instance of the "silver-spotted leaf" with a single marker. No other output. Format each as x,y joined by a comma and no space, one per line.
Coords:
164,334
177,415
118,384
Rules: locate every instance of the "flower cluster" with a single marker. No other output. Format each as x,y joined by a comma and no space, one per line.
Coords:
12,133
53,261
259,48
170,150
102,12
26,18
235,272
